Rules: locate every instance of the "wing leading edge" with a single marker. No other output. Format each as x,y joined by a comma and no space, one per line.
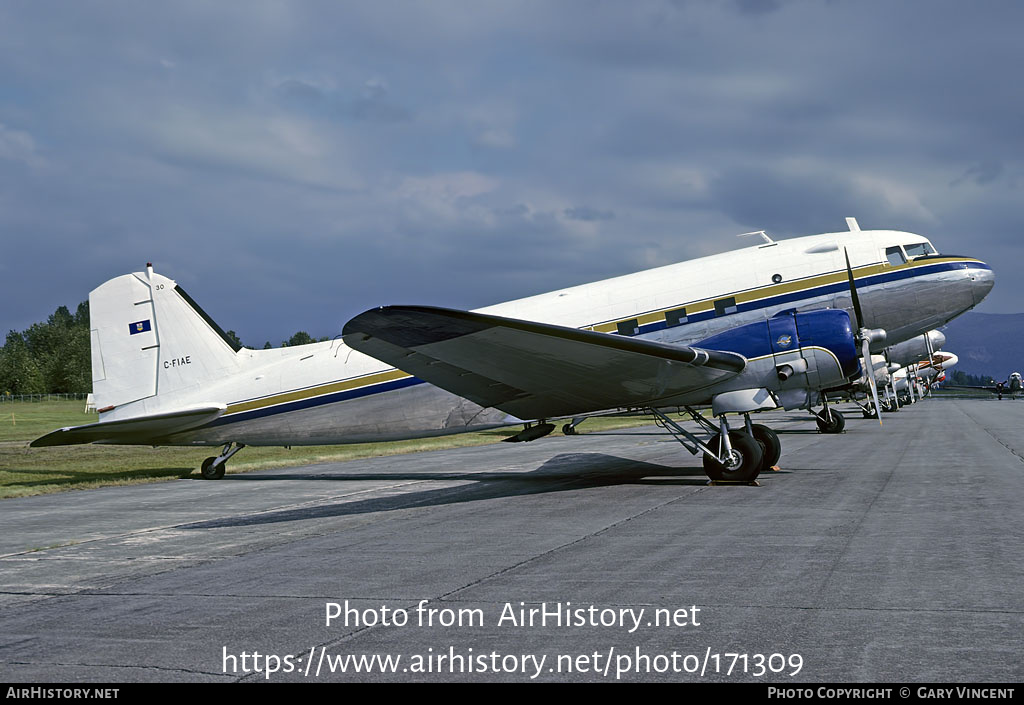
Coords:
533,370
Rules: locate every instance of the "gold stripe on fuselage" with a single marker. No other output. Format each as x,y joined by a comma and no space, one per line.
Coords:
741,297
771,290
300,394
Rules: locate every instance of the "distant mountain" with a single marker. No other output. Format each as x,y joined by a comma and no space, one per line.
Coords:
987,343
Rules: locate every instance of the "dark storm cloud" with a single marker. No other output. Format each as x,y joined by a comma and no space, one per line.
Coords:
801,202
758,7
982,173
586,213
322,158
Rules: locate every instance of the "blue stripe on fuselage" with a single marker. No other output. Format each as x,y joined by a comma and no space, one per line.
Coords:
395,385
823,290
311,402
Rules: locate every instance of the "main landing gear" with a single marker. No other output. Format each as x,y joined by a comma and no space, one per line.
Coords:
830,421
869,411
213,468
729,455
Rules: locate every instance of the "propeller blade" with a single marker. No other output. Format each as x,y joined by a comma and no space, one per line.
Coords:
869,371
857,311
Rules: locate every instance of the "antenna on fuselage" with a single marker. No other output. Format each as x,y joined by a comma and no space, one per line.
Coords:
853,225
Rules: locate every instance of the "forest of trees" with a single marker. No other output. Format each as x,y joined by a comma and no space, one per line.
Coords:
50,357
54,357
960,377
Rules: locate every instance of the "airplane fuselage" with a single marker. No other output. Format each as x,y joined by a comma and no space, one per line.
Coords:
328,393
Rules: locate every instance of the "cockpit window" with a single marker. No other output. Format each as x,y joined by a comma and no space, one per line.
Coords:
895,256
918,249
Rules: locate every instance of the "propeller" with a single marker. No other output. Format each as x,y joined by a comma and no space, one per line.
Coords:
931,358
865,337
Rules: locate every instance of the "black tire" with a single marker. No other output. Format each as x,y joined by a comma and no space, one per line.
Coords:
569,430
746,453
872,413
835,425
210,472
769,440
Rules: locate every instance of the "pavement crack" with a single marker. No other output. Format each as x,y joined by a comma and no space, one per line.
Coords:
568,544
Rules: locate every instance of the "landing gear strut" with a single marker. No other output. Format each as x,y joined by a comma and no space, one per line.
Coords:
733,456
830,421
742,458
569,429
869,410
213,467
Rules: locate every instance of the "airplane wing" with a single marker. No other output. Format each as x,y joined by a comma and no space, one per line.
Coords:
141,429
533,370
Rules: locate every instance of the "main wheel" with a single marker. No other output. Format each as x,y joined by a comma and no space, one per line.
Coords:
835,424
769,440
742,465
569,430
871,412
211,471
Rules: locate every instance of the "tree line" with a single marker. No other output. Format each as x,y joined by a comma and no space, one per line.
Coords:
961,377
54,357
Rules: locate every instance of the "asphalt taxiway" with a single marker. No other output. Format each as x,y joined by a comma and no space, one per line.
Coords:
889,554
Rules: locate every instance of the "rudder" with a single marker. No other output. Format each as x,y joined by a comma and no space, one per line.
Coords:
150,340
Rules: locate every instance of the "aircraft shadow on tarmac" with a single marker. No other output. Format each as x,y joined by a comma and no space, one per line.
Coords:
564,472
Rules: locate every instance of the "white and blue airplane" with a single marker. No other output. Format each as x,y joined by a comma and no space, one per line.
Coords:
743,331
1014,386
916,379
893,364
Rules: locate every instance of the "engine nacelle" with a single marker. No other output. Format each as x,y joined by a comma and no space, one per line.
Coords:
809,351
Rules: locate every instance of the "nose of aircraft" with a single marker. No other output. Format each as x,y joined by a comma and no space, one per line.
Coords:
982,281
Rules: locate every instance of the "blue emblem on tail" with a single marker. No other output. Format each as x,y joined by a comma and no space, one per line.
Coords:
138,327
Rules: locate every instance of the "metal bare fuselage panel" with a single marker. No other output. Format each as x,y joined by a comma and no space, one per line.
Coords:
418,410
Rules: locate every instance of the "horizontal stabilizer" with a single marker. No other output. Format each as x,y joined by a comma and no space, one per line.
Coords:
139,430
533,370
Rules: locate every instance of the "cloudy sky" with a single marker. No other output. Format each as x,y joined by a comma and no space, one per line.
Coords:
291,164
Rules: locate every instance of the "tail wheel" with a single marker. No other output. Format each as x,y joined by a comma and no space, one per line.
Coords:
211,471
770,442
830,421
742,465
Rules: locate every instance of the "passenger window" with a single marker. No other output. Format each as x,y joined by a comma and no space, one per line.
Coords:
725,306
630,327
895,256
675,317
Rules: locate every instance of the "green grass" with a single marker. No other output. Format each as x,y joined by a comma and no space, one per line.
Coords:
21,420
28,471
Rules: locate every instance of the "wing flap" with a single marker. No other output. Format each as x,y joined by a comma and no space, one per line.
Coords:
133,431
533,370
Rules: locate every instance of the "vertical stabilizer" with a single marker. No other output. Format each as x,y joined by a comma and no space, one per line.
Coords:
150,339
124,342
